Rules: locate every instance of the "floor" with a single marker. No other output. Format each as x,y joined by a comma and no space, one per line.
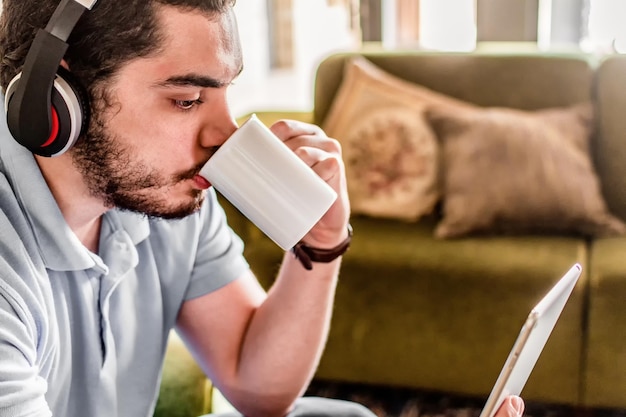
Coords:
396,402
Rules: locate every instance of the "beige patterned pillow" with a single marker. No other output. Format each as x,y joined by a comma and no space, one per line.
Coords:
511,171
389,149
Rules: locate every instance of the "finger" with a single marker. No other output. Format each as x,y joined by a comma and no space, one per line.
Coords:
326,165
296,134
329,168
325,144
287,129
513,406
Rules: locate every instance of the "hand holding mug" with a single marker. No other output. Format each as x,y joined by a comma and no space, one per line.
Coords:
323,155
278,181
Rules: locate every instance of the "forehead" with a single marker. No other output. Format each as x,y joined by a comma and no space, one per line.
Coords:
193,41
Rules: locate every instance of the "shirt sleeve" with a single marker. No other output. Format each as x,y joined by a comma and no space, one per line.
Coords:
219,256
22,389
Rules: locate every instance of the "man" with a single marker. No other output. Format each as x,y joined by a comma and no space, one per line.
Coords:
111,243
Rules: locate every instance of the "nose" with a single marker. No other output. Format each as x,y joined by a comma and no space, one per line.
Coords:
219,123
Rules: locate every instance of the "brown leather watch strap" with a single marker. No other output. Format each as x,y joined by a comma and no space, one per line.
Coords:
307,254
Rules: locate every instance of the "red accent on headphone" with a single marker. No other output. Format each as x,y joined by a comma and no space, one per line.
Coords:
55,128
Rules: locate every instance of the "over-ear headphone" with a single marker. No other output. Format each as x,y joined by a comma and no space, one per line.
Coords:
46,109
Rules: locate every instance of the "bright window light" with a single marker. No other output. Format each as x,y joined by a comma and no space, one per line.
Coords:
448,25
606,30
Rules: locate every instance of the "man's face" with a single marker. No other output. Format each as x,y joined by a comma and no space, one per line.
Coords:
166,115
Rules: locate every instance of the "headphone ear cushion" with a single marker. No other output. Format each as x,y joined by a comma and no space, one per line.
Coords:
71,104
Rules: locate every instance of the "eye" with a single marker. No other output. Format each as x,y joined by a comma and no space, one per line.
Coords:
186,104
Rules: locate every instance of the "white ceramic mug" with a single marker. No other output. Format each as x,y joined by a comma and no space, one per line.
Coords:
268,183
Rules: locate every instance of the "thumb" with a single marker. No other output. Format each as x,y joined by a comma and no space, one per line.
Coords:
514,406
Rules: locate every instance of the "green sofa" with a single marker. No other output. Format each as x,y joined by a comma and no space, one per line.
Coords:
418,312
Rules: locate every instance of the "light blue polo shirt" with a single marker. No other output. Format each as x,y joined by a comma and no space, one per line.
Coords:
84,334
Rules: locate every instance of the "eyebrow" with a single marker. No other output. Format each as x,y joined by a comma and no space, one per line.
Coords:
195,80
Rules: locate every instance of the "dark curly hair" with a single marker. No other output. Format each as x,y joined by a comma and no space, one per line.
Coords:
113,33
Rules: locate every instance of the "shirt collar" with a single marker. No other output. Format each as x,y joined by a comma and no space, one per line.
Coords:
60,248
136,225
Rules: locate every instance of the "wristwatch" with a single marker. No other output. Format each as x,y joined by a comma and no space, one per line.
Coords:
307,254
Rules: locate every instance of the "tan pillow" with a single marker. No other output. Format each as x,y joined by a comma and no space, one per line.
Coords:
508,170
389,148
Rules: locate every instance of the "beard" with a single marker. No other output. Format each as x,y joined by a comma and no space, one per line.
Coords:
114,174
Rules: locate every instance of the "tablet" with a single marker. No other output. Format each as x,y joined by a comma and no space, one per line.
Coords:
530,342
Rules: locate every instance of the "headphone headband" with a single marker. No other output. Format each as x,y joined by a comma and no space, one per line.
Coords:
66,16
87,4
29,114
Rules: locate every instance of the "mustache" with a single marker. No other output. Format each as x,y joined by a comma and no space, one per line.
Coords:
192,172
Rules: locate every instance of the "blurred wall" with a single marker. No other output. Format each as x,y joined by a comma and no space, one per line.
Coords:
253,30
506,20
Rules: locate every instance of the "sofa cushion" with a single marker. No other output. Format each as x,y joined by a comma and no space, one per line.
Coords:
512,171
389,149
411,310
483,78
